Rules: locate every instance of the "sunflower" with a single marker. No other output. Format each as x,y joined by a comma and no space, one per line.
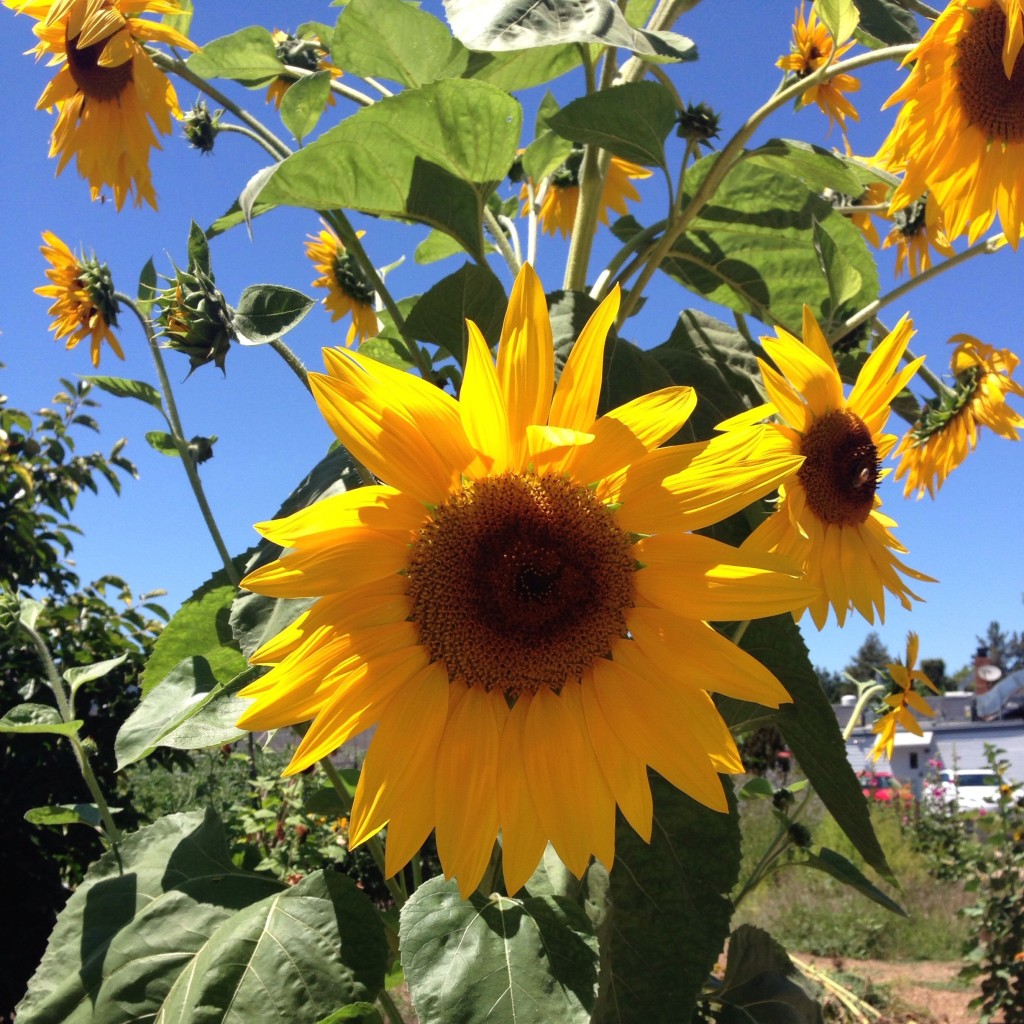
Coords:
904,702
348,291
814,47
520,610
107,89
917,229
828,516
84,304
960,133
299,52
947,431
562,194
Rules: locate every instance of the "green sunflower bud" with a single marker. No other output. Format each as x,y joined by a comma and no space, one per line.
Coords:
800,835
96,279
698,123
195,318
201,127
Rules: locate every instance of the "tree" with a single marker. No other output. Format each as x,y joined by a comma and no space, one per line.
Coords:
870,659
835,684
935,670
1004,649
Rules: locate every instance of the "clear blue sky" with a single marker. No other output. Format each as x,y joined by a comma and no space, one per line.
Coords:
270,431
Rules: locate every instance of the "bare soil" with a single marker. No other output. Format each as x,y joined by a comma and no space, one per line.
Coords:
923,992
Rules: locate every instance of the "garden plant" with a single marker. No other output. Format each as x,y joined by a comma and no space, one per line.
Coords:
550,574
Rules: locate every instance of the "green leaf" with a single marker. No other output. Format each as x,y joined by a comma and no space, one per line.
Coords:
836,865
752,248
817,168
122,387
632,121
840,18
532,961
548,150
718,362
656,953
447,146
147,286
517,70
66,814
161,441
160,718
295,955
248,56
471,293
199,627
843,279
267,311
523,24
390,351
181,19
398,41
29,610
303,103
361,1013
81,674
136,921
812,733
757,788
38,718
761,984
199,250
886,23
437,246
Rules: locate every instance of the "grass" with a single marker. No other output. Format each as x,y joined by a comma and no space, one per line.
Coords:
807,910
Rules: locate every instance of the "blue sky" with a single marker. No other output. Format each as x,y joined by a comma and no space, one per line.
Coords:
269,430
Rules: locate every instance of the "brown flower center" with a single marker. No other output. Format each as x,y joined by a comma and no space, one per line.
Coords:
990,100
520,582
96,81
840,470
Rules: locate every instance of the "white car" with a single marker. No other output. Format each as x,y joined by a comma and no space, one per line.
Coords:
971,789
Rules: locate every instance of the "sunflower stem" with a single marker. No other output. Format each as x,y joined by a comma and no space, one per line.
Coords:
67,714
984,247
241,129
178,67
395,885
731,154
170,409
738,632
392,1012
294,363
497,232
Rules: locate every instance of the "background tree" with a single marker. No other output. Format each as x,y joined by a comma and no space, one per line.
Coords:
1004,649
935,670
835,684
41,477
871,658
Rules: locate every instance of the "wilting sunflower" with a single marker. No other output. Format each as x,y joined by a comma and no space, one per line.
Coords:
828,517
904,702
960,133
813,47
947,431
107,90
562,195
309,54
84,305
348,291
519,610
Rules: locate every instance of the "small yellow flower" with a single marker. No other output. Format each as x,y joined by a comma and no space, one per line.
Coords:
959,135
947,431
348,291
562,195
828,517
107,89
814,47
84,304
309,54
521,612
904,702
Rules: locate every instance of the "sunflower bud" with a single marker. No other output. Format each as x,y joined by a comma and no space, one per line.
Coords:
799,835
298,53
195,318
698,123
10,611
96,279
201,127
783,799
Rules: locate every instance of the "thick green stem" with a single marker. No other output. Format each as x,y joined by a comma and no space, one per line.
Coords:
389,1007
295,364
181,442
865,693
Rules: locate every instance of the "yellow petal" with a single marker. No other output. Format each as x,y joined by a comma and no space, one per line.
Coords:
482,405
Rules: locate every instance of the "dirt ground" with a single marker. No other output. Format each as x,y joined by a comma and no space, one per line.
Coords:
926,992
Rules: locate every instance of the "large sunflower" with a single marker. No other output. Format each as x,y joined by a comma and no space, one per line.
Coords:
960,133
562,194
520,610
84,304
814,47
829,517
947,431
107,90
348,291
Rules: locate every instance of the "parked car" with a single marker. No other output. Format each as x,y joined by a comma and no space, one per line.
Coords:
971,789
882,786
